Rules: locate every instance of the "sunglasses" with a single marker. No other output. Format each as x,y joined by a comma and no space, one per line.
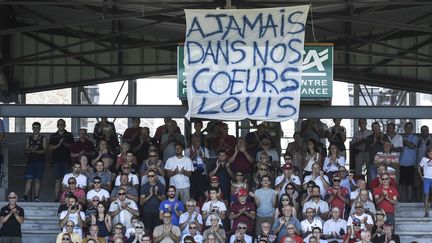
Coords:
192,227
385,179
290,188
190,205
95,200
125,167
359,207
150,175
96,182
288,158
123,193
139,227
120,228
12,197
357,225
66,238
381,214
69,226
336,180
71,182
239,175
290,228
243,228
152,155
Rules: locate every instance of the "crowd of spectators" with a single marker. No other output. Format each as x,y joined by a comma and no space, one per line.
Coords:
220,188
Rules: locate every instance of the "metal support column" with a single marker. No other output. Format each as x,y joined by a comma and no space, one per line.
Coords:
76,100
132,97
20,122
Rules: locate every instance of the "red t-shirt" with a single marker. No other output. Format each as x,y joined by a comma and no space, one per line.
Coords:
297,239
235,208
385,204
376,183
337,202
242,164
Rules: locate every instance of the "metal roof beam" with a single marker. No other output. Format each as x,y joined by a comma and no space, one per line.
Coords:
177,111
376,22
102,37
84,22
385,55
381,80
114,78
81,59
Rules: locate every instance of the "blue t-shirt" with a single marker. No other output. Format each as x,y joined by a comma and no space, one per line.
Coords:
265,196
408,157
169,206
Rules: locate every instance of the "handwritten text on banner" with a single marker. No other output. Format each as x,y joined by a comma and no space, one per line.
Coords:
244,63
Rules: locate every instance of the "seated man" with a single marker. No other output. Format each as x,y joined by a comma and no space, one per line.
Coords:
193,232
335,227
240,234
310,222
243,211
70,226
94,230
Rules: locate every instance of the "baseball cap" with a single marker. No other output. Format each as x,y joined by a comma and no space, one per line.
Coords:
242,192
388,223
287,166
356,221
214,179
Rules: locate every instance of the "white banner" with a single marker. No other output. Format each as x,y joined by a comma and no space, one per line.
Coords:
244,63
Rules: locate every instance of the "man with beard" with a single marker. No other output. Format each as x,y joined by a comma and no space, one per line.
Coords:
172,205
123,209
73,213
320,207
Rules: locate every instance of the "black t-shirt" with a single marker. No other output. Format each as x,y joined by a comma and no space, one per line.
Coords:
224,179
152,205
62,153
11,227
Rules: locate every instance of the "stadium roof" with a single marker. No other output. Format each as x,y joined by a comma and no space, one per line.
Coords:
50,44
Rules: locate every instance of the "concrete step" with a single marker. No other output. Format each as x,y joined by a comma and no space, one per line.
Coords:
39,237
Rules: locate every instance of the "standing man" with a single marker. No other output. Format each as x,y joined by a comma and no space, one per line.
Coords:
358,144
11,217
374,144
82,147
386,197
152,194
265,198
59,145
170,140
167,232
407,162
123,209
179,168
132,134
35,149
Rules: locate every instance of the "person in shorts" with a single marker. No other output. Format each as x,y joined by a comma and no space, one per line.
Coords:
426,164
36,147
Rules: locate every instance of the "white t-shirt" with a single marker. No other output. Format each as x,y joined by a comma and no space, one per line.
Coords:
132,179
180,181
81,180
102,193
426,163
396,141
219,206
183,218
321,204
74,218
307,226
333,167
363,226
124,216
318,182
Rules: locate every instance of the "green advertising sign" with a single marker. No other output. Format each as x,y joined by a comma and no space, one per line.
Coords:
317,73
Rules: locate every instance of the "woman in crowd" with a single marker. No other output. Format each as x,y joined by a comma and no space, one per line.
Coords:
333,161
378,227
312,156
103,220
